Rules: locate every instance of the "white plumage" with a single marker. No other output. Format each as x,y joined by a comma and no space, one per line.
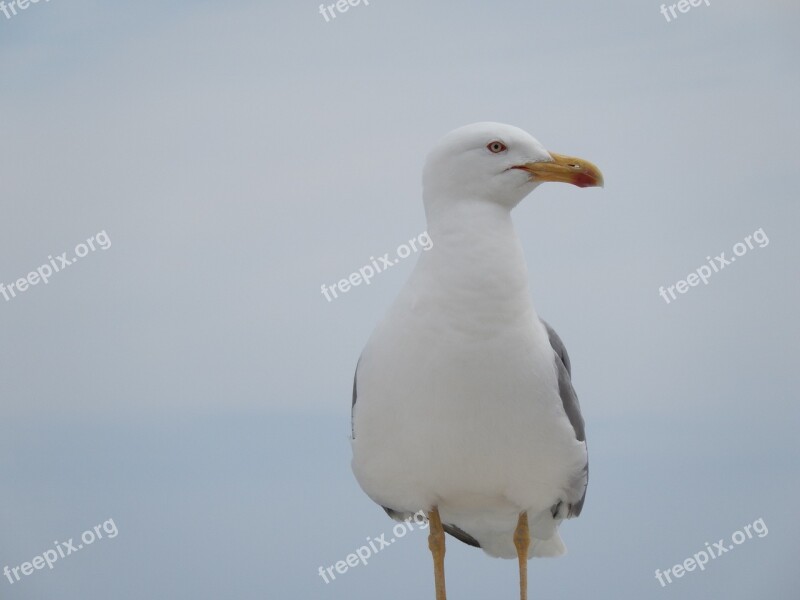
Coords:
458,402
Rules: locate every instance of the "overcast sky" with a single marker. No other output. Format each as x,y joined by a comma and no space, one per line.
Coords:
192,383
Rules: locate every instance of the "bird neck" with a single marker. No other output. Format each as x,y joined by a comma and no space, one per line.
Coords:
476,263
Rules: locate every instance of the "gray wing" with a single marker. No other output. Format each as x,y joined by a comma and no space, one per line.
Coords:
572,407
353,406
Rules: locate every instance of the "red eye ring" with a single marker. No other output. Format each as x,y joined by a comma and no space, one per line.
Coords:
496,147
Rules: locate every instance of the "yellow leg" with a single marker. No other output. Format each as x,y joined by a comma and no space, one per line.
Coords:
436,544
522,541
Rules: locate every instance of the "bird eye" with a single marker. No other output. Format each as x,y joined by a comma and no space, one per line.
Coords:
496,147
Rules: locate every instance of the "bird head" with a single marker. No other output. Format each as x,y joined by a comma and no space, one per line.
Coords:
497,163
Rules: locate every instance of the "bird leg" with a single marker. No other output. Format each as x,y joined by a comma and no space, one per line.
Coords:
436,544
522,541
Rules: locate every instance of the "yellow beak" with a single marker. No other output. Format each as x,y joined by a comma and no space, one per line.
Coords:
565,169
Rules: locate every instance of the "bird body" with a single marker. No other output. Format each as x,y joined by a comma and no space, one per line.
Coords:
463,405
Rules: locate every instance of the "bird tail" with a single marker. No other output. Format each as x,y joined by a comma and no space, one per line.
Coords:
544,548
545,539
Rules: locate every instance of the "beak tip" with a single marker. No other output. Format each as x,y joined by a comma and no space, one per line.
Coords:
585,180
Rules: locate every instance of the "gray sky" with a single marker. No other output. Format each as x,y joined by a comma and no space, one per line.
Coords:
191,381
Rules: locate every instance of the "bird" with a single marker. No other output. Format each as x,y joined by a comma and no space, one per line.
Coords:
463,405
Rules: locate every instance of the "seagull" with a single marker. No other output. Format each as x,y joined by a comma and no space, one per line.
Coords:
463,404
